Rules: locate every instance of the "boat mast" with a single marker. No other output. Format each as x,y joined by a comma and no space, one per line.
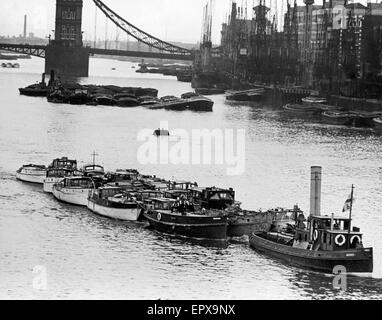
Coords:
350,213
94,154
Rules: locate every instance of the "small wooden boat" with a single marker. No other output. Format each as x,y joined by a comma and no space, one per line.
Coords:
32,173
312,100
74,190
113,202
337,117
161,132
201,225
299,109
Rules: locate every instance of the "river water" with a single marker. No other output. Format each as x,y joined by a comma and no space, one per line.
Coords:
85,256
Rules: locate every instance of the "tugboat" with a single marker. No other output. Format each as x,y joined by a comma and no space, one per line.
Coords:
74,190
32,173
113,202
171,217
36,90
320,242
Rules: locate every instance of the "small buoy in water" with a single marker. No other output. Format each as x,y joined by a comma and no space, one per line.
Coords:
161,132
113,68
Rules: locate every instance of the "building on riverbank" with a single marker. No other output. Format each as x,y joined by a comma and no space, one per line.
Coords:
334,47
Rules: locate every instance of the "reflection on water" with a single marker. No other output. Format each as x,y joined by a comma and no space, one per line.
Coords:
87,256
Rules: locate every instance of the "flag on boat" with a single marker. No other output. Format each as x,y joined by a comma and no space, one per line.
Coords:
348,203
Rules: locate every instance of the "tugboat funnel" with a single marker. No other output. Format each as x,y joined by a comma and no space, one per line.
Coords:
315,191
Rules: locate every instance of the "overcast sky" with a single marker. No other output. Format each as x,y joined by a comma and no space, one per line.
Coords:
171,20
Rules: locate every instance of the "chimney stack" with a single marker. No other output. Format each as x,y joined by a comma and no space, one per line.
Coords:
315,191
25,26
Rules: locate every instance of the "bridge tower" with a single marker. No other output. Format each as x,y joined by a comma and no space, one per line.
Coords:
66,54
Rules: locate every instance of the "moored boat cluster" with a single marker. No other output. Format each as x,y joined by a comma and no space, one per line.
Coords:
316,107
211,214
176,207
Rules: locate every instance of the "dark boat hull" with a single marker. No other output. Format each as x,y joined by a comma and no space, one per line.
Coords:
34,92
199,228
355,261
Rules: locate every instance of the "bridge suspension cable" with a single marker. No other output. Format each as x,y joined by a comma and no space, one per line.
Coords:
140,35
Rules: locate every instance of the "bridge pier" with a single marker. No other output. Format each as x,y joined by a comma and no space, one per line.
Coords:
67,61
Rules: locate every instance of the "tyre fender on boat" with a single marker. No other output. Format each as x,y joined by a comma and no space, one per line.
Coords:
355,237
340,240
159,216
315,235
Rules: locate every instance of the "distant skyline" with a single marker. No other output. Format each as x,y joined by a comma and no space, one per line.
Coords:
170,20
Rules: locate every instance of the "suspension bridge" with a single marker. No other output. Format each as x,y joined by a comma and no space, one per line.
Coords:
67,55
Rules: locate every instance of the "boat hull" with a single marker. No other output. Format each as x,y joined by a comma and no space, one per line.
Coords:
239,226
124,214
78,197
31,177
355,261
49,183
199,228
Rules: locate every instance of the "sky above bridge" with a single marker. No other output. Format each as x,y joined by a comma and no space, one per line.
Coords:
170,20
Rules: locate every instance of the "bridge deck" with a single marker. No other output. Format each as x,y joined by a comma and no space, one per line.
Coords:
39,51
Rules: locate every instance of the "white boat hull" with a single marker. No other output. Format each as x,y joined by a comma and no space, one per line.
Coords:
73,196
114,213
49,182
31,176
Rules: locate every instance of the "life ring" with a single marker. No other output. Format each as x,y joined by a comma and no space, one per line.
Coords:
340,240
355,237
159,216
315,235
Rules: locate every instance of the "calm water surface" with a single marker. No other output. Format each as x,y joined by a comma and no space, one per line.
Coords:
91,257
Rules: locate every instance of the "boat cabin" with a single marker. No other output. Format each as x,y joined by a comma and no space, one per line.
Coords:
64,162
181,185
327,233
77,183
122,175
159,204
213,198
93,170
147,194
177,194
62,173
